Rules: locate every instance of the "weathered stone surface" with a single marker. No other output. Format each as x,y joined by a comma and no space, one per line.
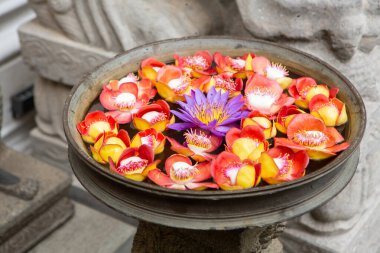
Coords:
156,238
88,231
342,24
21,224
54,56
118,25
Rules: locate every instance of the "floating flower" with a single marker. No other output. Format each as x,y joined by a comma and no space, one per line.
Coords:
144,85
230,173
332,111
239,66
198,65
265,95
109,145
172,83
305,88
274,71
257,119
225,83
181,174
135,163
150,137
247,143
156,115
214,113
285,115
123,101
150,68
306,132
96,123
281,164
198,144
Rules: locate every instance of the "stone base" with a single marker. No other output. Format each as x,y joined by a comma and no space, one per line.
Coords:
362,237
50,149
25,222
157,238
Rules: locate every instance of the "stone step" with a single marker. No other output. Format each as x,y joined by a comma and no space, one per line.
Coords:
88,231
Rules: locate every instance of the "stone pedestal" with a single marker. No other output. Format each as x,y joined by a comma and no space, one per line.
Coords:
160,239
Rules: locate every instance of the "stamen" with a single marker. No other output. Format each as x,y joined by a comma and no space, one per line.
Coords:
132,165
310,138
261,98
283,163
231,172
238,63
183,172
125,101
225,84
276,70
130,78
153,117
198,142
196,62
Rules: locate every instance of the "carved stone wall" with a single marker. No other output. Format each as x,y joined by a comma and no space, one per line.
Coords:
346,35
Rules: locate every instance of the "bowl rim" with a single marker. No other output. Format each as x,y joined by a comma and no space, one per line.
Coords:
155,189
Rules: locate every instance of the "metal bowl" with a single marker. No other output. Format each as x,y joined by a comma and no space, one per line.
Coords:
214,209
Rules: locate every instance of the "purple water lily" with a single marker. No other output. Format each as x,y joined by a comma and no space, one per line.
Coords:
213,112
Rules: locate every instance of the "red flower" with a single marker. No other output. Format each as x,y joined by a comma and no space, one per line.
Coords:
198,65
238,66
231,173
265,95
135,163
306,132
285,115
156,115
332,111
181,174
149,137
96,123
281,164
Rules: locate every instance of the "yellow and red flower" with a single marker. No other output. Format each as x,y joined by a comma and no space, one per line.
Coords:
247,143
172,83
150,68
199,64
332,111
305,88
96,123
150,137
239,66
281,164
285,115
198,144
123,100
231,173
309,133
265,95
181,174
225,83
274,71
135,163
109,145
156,115
257,119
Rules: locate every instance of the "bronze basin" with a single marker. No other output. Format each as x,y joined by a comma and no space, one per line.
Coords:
214,209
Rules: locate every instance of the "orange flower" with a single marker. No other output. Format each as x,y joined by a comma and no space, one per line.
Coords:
181,174
172,84
247,143
149,137
240,67
150,68
281,164
231,173
265,95
123,100
156,115
225,83
200,64
135,163
198,144
257,119
306,132
96,123
110,145
332,111
285,115
305,88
